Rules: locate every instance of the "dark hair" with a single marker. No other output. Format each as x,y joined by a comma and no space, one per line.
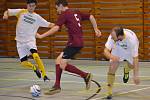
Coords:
31,1
63,2
118,30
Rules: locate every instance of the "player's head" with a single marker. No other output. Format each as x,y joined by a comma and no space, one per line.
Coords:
31,5
117,33
60,5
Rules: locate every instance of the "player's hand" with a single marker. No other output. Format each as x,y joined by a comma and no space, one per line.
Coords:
97,32
136,80
38,36
5,17
114,58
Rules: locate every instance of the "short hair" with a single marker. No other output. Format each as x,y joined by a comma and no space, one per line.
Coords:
63,2
118,30
31,1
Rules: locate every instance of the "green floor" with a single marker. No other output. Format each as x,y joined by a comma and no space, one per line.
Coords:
15,82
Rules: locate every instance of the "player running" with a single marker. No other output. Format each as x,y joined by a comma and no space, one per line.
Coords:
72,20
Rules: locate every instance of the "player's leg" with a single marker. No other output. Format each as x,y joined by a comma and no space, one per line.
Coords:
23,52
62,63
39,63
56,88
129,65
127,68
58,71
69,53
111,77
26,63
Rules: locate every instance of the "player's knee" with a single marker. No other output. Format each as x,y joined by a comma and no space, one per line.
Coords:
62,67
112,71
35,55
24,63
57,61
33,51
130,65
24,59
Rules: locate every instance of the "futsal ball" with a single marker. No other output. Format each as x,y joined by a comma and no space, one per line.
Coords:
35,90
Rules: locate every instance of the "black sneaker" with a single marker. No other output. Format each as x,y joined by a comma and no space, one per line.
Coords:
87,80
109,97
45,78
37,73
125,77
53,90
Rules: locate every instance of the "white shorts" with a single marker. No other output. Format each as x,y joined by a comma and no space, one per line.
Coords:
124,54
24,48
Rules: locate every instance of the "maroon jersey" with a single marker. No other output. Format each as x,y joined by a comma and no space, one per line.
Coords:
72,20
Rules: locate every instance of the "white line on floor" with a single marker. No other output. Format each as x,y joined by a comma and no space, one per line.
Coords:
125,92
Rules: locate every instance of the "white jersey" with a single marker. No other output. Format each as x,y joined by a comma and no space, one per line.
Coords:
28,24
125,49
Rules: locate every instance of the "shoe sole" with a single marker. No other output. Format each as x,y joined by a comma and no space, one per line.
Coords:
89,83
46,79
52,92
109,97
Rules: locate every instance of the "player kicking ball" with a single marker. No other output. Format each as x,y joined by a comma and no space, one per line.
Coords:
72,20
122,44
26,30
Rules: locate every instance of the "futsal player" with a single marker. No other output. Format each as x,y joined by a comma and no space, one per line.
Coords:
122,44
26,29
72,20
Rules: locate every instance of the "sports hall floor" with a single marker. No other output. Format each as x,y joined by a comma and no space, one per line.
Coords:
15,82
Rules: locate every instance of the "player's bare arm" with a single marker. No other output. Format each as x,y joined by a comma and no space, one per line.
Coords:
37,35
94,24
136,70
108,55
50,32
51,25
5,16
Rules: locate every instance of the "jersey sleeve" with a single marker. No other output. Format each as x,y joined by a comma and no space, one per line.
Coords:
134,42
14,12
42,22
84,16
109,43
134,47
61,20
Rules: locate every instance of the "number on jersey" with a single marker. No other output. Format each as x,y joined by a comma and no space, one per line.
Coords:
77,19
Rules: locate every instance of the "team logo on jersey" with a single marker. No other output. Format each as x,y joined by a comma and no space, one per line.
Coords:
29,19
122,44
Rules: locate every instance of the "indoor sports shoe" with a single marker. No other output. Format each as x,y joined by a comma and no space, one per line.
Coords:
109,97
45,78
37,73
87,80
53,90
125,77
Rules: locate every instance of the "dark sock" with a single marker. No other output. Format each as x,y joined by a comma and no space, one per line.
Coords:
73,69
58,76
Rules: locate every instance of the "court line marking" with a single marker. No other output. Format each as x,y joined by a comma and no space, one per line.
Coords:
124,92
29,71
100,75
20,79
83,82
23,97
